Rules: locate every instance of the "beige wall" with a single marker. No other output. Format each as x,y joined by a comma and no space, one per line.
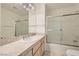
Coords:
65,10
37,19
40,17
32,21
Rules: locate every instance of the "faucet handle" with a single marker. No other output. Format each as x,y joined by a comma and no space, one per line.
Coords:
1,37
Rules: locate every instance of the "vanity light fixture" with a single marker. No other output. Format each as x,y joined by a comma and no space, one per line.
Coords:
30,5
27,6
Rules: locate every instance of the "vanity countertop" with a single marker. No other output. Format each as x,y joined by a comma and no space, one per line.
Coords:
16,48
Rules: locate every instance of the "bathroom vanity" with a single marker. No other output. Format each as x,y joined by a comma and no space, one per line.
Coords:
37,49
31,46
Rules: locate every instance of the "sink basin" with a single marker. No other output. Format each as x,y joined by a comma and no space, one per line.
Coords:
29,39
72,52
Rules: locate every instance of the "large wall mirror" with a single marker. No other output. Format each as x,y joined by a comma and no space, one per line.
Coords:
14,20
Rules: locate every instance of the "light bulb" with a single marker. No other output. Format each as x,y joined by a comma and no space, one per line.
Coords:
30,5
24,6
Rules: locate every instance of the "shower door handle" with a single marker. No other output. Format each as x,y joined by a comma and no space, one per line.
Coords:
61,29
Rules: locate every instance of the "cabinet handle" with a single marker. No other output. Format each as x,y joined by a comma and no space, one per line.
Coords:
1,37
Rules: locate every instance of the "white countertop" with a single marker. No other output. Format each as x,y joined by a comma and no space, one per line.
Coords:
16,48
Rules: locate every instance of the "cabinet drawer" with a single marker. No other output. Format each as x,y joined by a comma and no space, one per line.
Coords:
36,47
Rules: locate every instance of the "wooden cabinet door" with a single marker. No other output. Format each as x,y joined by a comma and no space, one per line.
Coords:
38,53
42,46
36,47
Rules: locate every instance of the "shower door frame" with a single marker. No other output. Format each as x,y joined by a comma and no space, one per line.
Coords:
60,29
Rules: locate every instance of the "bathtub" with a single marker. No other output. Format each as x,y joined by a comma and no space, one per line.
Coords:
71,52
61,50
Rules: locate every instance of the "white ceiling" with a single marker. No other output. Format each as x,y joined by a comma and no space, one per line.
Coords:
59,5
16,7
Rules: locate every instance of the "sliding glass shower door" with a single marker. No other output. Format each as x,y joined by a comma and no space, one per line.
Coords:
70,26
63,30
54,28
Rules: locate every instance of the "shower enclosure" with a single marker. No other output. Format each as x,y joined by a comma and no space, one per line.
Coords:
63,29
